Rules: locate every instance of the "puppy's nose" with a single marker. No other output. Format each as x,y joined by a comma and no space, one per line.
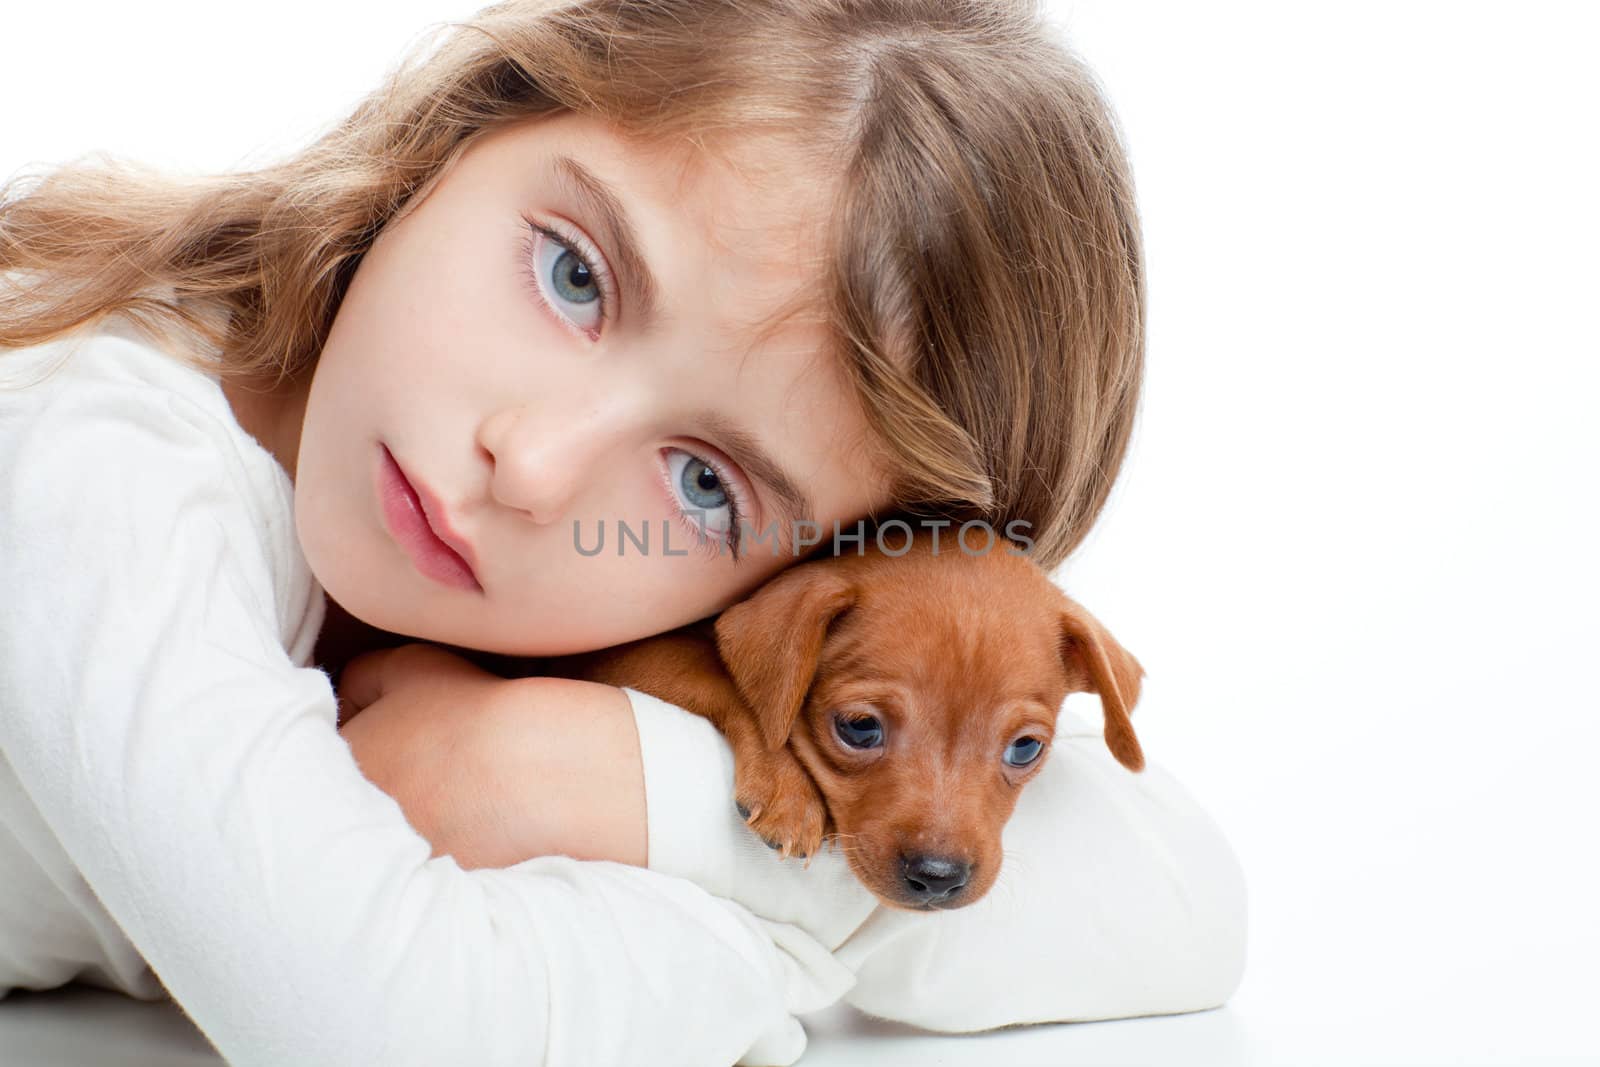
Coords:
933,878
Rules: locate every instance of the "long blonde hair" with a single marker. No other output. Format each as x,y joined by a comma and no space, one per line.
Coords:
984,286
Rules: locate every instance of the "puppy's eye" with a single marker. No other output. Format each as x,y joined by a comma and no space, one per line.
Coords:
861,731
1023,751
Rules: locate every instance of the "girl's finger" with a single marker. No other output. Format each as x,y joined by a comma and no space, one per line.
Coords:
362,681
345,712
372,675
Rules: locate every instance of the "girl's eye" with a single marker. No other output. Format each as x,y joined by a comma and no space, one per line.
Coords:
569,276
860,731
708,501
1023,751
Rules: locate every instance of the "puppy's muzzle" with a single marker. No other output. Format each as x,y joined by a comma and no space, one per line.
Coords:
930,880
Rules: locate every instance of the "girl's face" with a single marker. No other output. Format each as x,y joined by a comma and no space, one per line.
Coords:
531,372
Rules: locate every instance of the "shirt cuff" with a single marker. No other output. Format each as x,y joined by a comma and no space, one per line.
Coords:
694,832
692,826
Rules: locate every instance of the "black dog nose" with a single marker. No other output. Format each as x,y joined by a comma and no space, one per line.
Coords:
933,878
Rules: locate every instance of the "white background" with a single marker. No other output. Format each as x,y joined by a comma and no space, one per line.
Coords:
1354,541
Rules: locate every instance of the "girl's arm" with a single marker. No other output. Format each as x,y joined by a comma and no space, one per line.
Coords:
197,780
1119,896
493,771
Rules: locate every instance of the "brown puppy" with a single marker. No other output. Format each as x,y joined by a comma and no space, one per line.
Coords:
897,704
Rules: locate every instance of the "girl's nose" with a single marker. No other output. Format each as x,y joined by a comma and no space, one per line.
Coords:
545,458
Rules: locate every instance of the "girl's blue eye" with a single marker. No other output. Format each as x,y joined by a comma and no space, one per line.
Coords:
701,486
707,502
567,275
1023,751
573,279
859,731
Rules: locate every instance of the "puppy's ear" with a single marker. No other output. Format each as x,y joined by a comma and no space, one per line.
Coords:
1097,664
770,643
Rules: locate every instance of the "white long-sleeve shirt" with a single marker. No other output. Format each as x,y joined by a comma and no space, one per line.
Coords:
179,814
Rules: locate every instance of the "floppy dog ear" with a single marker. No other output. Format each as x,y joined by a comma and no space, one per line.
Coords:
770,642
1097,664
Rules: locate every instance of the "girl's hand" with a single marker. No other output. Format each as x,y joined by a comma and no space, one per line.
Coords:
491,770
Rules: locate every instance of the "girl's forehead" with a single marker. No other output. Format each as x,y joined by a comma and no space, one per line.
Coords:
740,209
736,185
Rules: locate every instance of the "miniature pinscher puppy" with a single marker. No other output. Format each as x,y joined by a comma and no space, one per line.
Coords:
896,704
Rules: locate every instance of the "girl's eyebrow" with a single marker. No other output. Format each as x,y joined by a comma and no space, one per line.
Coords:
599,199
746,450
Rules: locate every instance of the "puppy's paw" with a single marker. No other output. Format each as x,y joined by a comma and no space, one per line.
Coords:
778,800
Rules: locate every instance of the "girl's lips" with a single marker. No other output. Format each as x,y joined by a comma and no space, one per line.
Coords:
411,513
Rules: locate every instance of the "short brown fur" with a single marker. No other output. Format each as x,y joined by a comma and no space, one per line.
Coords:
956,654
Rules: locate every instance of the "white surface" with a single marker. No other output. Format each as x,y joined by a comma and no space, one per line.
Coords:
80,1025
1353,543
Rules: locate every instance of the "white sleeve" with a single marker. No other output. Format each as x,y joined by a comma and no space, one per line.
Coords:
1119,896
695,833
196,778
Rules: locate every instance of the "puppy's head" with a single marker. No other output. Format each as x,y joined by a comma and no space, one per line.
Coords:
921,692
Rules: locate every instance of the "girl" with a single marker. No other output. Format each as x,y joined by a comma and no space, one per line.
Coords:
722,264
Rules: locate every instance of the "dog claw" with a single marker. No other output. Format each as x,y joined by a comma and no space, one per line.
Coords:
784,809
